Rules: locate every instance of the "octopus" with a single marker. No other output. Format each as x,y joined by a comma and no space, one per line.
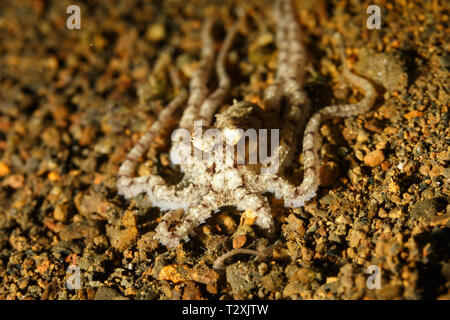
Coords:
210,184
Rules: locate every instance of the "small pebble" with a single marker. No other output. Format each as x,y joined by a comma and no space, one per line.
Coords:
4,169
60,212
155,32
374,158
15,181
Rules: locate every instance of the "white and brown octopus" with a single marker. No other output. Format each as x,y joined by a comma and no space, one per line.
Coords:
207,186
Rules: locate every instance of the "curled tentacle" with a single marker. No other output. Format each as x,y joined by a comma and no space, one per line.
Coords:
210,105
198,84
296,196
